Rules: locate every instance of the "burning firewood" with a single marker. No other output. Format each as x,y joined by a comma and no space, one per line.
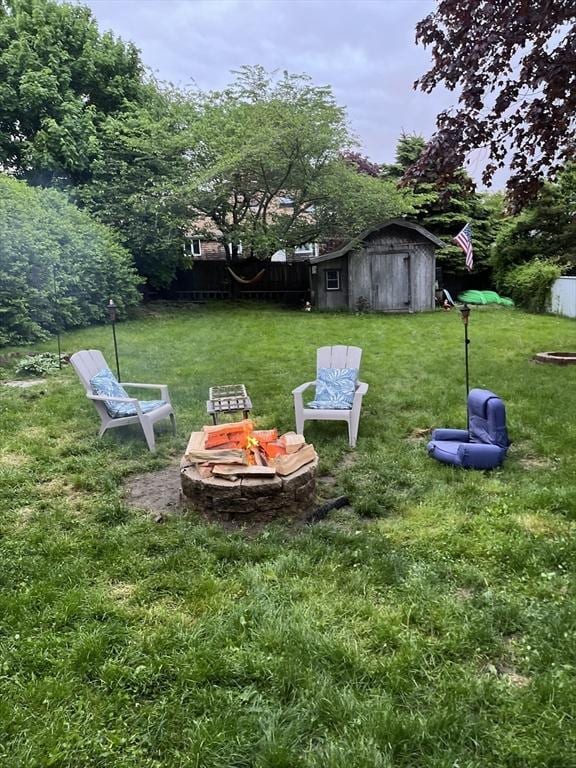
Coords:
196,452
237,433
265,436
274,448
233,450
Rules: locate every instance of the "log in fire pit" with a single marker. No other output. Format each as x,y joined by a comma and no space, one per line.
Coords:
236,471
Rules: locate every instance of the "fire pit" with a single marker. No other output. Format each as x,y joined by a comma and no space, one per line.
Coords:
235,471
557,358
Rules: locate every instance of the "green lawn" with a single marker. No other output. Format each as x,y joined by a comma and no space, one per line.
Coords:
433,626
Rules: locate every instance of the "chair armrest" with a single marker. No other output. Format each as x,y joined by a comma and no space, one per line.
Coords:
455,435
302,387
361,389
162,387
481,455
105,398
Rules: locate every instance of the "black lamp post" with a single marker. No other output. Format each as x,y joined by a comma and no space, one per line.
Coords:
112,315
465,312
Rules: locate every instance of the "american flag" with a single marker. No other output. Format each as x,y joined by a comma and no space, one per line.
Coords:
464,240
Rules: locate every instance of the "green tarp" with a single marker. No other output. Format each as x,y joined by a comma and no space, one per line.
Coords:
484,297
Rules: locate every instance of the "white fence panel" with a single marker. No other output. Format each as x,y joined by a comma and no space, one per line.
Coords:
563,297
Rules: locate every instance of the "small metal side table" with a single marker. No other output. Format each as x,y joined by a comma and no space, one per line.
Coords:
228,399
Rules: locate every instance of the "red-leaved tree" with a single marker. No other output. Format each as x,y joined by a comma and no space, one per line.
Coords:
362,164
514,65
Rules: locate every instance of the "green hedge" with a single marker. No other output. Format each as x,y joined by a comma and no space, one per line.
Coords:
530,284
58,267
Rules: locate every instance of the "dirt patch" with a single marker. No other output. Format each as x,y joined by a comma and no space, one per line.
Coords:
156,492
532,462
528,457
122,591
24,516
58,486
419,433
327,487
24,383
518,681
507,673
534,523
159,494
348,460
14,459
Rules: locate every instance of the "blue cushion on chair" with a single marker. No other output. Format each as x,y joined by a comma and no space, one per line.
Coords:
335,388
105,383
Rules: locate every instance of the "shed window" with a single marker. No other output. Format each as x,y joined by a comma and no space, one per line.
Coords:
332,279
194,246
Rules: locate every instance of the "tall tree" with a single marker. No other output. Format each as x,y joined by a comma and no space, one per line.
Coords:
444,212
514,65
140,182
545,230
267,140
59,79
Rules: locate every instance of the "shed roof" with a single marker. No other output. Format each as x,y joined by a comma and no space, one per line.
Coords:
389,223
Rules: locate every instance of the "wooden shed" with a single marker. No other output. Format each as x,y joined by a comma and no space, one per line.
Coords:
388,268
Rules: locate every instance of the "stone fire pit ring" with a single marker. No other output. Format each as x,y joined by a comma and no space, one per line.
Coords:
556,358
266,497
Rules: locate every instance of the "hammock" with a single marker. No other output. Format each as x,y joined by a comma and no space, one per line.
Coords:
246,280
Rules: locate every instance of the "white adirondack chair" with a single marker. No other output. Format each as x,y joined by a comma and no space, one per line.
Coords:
87,363
333,357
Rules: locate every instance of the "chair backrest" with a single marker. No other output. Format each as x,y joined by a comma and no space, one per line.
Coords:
87,363
338,357
487,418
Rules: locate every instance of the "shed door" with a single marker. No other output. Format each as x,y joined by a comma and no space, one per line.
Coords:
390,273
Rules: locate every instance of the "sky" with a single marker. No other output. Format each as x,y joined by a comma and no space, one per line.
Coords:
363,49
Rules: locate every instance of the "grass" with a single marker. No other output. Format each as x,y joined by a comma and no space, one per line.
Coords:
432,626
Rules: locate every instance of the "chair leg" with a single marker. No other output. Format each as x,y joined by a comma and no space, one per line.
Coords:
353,424
351,436
299,421
148,429
173,420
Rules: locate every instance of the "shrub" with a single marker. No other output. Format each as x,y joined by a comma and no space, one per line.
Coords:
58,267
38,365
530,284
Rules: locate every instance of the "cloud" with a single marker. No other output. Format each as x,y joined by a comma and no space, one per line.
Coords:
363,49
